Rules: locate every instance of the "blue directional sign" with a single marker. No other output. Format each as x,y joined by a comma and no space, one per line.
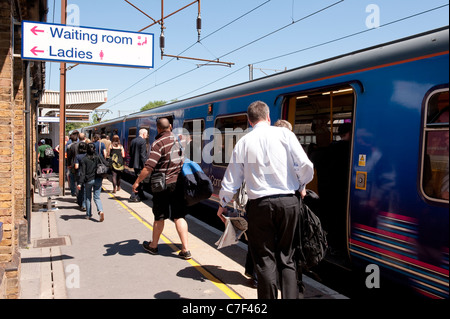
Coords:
64,43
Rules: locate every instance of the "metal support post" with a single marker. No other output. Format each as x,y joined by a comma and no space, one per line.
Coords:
62,110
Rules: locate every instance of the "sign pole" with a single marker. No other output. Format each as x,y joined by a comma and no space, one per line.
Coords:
62,110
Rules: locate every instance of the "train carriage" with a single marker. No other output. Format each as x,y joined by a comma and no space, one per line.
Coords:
383,194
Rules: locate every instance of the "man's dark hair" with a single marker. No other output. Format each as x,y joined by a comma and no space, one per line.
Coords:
82,148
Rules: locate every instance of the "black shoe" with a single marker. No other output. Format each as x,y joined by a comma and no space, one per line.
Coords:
134,200
146,245
186,255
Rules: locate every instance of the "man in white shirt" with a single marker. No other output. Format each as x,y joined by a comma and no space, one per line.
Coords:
274,166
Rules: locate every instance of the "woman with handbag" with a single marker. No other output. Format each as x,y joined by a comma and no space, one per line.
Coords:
116,156
91,180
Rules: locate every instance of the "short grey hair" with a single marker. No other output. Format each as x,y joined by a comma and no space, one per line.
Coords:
283,123
142,131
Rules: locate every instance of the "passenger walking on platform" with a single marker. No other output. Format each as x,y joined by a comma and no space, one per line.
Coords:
166,157
81,195
301,286
44,161
117,154
70,141
249,266
72,151
107,143
138,157
283,123
274,166
100,148
92,182
82,138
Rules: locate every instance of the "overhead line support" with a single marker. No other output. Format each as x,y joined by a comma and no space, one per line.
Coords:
197,59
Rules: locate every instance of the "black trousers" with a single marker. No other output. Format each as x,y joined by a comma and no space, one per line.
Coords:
271,229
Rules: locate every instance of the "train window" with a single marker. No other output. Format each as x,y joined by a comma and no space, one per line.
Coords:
435,177
193,131
228,130
131,136
89,134
319,117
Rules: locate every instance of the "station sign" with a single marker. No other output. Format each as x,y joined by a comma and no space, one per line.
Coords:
72,44
48,119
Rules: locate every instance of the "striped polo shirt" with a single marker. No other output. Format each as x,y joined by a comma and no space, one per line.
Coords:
166,156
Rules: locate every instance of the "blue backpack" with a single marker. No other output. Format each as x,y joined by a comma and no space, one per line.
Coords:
197,185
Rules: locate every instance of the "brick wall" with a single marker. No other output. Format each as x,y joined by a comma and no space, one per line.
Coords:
10,159
12,139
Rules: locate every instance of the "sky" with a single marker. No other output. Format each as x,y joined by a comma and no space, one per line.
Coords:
272,35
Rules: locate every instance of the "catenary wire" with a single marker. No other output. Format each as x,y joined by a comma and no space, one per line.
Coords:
280,56
315,46
189,71
203,38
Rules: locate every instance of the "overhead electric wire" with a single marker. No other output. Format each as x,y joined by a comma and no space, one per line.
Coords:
351,35
203,38
284,27
318,45
287,54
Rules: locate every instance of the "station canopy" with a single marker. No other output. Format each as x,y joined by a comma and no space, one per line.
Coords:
79,104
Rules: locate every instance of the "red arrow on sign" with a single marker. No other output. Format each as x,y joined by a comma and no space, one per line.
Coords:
35,29
34,51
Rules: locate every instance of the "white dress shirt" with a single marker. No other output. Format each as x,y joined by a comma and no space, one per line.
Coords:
271,161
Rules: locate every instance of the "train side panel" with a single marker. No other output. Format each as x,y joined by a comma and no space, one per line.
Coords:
391,221
392,225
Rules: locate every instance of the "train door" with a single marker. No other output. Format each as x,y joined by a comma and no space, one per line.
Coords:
193,131
132,133
323,122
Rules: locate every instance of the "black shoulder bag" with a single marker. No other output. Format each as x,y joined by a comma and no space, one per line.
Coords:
158,182
102,168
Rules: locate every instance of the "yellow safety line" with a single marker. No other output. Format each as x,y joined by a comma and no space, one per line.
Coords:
219,284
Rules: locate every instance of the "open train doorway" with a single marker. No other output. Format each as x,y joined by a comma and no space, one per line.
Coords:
323,121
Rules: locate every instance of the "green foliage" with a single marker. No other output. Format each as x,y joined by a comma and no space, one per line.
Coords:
152,105
75,126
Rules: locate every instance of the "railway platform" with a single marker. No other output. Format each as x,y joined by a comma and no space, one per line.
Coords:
71,257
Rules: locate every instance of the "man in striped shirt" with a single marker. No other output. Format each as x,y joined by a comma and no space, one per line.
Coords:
166,157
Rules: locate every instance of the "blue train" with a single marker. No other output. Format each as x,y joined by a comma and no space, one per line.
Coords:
384,197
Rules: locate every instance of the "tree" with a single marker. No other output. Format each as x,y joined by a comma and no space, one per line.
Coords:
74,126
152,105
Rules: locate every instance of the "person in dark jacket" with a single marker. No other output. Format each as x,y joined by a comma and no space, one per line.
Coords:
72,151
92,182
138,157
82,150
